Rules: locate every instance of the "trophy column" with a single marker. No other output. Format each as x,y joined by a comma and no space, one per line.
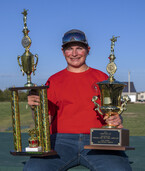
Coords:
38,125
16,121
45,120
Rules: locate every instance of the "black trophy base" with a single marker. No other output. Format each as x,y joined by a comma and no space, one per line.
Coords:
109,139
34,154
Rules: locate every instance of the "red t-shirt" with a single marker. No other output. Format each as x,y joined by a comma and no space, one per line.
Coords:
69,101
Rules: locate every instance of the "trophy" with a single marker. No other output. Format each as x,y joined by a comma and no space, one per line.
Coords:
39,141
112,103
27,64
33,141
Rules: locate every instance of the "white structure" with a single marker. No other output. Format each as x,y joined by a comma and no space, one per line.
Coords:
130,91
141,96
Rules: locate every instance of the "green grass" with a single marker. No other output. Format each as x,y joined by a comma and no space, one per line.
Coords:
133,118
6,116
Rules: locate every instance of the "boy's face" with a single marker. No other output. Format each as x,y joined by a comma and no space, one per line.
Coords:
75,54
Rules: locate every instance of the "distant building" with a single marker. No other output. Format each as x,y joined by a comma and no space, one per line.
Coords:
130,91
141,96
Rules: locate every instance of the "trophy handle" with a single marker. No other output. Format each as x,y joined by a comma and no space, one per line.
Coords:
125,99
35,63
21,67
97,106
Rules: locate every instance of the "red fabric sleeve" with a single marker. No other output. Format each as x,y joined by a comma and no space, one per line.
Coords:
52,100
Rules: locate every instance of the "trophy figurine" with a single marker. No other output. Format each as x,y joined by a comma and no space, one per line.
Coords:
112,103
33,142
27,64
39,140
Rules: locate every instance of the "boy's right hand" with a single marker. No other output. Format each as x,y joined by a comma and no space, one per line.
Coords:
33,100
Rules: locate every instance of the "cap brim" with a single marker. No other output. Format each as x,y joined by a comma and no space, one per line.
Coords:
74,42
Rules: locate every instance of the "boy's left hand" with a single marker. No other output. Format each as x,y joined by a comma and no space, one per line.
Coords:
114,120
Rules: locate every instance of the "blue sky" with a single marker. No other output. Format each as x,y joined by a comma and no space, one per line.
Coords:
48,20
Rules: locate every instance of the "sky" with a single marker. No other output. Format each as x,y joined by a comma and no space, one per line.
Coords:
48,20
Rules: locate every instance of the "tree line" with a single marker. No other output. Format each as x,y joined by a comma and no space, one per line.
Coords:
5,95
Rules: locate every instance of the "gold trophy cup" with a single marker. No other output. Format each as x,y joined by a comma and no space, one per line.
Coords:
39,141
112,103
27,64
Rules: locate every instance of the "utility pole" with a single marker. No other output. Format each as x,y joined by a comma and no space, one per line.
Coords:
129,82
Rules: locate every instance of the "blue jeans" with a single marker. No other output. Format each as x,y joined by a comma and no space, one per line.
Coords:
71,152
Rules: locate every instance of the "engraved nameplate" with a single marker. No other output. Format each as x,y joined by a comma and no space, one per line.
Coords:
99,136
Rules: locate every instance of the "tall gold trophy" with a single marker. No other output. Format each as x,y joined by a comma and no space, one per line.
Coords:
39,141
112,103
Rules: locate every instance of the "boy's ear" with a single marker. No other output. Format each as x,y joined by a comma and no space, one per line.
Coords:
88,49
62,51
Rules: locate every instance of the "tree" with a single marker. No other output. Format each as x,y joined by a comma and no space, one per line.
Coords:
22,96
7,95
1,96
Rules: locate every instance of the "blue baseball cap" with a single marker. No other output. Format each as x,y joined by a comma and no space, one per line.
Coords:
74,35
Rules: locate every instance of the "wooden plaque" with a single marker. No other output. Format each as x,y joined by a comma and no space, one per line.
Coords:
109,139
109,136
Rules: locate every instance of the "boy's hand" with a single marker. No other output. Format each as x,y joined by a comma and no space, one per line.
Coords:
33,100
114,120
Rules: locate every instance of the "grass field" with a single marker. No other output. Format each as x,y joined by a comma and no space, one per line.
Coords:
6,116
133,118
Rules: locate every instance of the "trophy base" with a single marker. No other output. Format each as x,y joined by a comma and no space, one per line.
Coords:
34,154
109,139
104,147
